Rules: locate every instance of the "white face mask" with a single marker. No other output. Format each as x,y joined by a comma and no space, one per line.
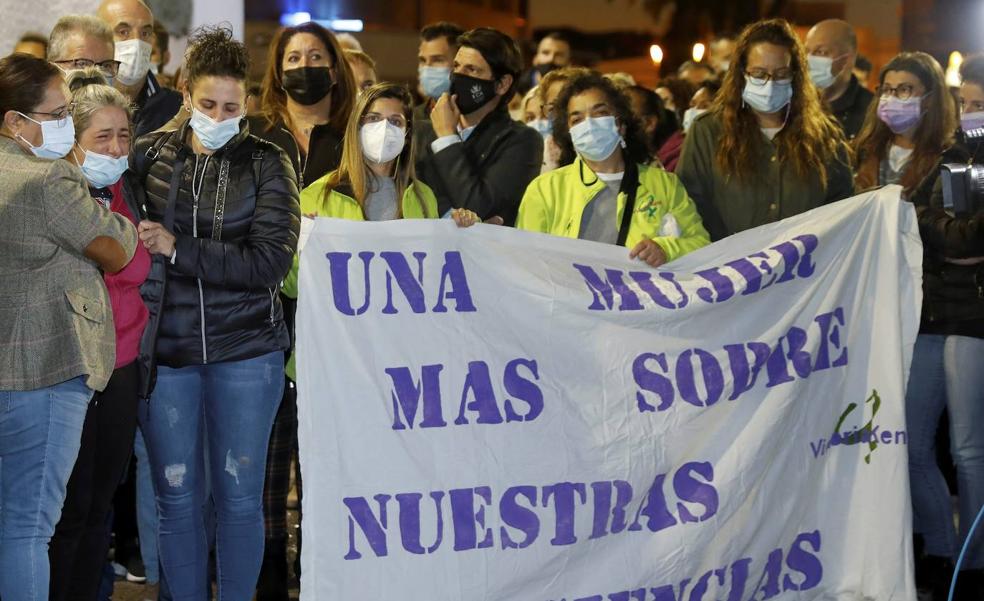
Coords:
102,170
822,70
596,138
382,141
211,133
134,56
690,115
56,140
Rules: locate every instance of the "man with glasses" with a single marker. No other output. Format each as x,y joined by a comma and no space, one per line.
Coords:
132,27
80,42
832,49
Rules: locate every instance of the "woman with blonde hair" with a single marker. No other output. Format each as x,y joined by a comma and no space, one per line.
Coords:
766,150
376,180
910,126
103,132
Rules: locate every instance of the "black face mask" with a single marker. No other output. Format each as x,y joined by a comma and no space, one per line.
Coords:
544,69
473,93
307,85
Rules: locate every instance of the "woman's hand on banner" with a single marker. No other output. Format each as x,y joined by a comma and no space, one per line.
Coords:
650,252
464,217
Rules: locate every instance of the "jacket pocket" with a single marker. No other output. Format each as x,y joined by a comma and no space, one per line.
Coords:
84,306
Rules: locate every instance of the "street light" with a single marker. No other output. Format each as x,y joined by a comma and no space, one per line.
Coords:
698,52
656,53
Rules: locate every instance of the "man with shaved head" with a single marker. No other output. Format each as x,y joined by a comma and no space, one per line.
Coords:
832,49
132,24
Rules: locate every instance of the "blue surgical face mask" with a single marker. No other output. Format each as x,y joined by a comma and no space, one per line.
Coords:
211,133
102,170
544,126
769,97
57,137
434,80
596,138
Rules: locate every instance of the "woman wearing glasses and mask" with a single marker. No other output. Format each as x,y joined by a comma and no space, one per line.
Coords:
766,150
222,228
912,123
57,343
101,115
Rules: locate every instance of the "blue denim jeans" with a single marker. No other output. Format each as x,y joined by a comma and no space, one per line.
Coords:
146,511
230,408
947,371
40,433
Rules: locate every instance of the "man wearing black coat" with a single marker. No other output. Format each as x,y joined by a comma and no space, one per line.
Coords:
474,156
133,27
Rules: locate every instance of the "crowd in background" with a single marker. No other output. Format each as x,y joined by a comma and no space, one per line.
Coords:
148,248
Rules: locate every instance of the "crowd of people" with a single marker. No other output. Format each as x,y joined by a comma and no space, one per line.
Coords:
149,227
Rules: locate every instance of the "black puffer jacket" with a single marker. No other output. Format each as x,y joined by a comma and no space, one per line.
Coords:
235,243
953,294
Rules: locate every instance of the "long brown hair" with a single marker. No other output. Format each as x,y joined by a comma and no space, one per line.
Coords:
810,139
273,99
933,134
353,171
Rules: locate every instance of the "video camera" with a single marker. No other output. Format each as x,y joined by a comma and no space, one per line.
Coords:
963,184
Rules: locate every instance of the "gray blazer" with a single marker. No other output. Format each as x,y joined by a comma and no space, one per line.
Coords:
55,318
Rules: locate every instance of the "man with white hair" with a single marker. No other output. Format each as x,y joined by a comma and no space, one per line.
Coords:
132,24
82,41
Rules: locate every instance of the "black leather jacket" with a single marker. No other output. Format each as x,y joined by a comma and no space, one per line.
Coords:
953,294
236,219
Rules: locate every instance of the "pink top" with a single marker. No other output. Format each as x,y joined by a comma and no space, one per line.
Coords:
129,312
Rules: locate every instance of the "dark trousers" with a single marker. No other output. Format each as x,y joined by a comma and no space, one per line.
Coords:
79,546
283,447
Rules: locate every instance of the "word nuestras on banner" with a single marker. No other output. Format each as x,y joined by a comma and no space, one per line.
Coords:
487,414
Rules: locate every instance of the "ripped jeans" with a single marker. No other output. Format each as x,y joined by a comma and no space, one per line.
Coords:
221,413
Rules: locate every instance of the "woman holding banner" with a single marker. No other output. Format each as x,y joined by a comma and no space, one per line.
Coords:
376,180
607,192
766,150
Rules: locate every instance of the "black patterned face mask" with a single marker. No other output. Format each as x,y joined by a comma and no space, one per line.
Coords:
473,93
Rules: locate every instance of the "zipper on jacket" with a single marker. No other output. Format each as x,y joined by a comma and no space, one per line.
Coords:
195,194
272,305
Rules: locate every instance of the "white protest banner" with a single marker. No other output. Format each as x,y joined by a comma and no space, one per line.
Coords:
487,414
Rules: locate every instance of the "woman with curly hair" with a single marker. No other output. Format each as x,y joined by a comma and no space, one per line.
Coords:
607,192
222,227
766,150
910,126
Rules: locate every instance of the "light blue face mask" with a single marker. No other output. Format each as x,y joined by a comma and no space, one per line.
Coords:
211,133
543,126
769,97
434,80
102,170
57,137
596,138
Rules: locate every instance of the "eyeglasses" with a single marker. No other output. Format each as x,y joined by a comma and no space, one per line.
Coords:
109,68
903,91
61,115
396,120
760,77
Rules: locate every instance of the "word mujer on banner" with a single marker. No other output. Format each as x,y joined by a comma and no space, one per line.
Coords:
784,262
